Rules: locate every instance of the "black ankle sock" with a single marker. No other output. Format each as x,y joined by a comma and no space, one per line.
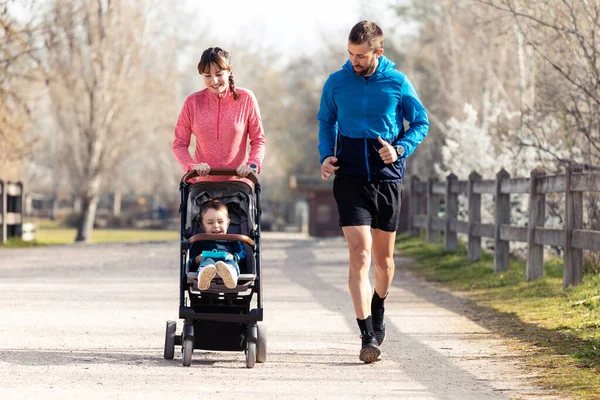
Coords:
376,301
365,326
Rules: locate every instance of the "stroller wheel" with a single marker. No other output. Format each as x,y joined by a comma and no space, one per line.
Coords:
261,343
187,349
250,354
170,340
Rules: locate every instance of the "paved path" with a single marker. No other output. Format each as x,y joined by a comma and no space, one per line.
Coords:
88,321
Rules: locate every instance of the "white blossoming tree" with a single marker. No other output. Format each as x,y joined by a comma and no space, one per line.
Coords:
484,145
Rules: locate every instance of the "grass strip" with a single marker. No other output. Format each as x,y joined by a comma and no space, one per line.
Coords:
557,330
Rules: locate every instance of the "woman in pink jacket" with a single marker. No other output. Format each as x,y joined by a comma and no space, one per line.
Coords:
223,119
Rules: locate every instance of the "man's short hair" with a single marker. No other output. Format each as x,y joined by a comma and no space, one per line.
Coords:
367,32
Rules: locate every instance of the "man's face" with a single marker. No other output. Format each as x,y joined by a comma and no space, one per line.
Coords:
363,59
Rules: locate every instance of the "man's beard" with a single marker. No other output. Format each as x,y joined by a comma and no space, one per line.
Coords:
370,70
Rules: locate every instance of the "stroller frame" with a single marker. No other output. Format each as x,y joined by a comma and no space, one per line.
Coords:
221,311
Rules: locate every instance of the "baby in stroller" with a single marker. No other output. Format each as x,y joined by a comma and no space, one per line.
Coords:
216,316
216,256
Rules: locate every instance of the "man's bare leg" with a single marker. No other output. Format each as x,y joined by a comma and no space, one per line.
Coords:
359,248
383,257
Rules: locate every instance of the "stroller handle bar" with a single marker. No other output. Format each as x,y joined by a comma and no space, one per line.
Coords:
220,172
217,236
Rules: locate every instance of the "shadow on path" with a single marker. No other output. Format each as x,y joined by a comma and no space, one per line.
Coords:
419,361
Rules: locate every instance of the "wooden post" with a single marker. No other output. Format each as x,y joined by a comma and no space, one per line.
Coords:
155,205
19,210
537,216
450,236
3,205
432,212
501,247
55,207
77,204
573,258
116,203
474,217
413,206
27,205
422,202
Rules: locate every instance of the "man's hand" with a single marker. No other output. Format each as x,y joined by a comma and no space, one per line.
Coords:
327,169
244,170
203,169
387,152
229,256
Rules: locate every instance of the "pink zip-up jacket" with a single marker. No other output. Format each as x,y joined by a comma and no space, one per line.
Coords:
222,127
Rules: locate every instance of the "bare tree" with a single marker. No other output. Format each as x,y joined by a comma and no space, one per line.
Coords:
19,67
458,54
98,77
565,36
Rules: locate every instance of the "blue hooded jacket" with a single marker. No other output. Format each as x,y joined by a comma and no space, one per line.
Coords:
355,111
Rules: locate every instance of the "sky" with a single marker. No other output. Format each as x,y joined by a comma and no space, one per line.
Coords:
289,27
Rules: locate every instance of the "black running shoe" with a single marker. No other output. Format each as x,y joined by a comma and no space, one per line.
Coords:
369,352
378,324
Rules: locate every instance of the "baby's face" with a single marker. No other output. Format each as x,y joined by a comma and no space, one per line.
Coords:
215,221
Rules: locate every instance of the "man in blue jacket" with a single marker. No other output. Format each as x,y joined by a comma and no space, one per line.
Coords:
362,140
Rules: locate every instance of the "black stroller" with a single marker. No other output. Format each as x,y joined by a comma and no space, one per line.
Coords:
220,318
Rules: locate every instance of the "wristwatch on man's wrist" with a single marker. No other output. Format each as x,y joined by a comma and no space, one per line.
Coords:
254,168
399,151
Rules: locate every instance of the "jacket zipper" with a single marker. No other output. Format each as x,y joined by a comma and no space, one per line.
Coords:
365,117
218,117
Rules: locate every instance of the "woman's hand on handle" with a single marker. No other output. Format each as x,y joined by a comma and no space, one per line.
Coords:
203,169
244,170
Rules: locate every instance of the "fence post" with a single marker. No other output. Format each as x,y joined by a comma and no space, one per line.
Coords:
3,205
450,236
501,247
474,217
413,206
76,203
432,211
19,201
573,258
422,196
54,208
27,205
537,216
116,203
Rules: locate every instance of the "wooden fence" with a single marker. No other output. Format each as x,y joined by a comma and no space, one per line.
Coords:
425,200
11,210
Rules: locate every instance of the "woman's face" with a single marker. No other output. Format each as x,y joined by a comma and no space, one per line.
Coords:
216,80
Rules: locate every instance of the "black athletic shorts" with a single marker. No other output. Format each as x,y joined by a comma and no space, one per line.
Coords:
376,204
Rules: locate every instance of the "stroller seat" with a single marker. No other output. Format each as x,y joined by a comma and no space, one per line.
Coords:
238,197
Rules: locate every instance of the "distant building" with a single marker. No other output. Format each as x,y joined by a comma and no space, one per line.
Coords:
322,209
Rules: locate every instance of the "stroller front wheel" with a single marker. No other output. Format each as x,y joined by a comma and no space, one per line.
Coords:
250,354
261,343
187,349
170,340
